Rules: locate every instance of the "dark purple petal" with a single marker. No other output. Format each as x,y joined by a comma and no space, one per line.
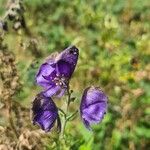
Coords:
54,90
44,112
69,55
66,61
93,106
64,69
45,72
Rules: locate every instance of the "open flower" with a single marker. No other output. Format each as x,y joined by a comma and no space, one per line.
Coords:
55,72
93,106
45,112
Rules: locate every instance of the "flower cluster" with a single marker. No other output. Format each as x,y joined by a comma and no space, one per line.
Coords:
54,75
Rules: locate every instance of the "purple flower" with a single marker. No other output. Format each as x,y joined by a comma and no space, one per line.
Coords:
45,112
55,72
93,106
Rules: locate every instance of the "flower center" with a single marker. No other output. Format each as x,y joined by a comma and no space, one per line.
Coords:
60,80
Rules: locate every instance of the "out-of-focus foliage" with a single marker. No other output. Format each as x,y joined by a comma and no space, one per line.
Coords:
113,37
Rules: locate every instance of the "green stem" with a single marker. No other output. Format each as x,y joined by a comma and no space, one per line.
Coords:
63,127
72,115
64,122
68,99
62,111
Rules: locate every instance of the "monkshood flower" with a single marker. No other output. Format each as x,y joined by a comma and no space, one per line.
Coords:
45,112
93,106
55,72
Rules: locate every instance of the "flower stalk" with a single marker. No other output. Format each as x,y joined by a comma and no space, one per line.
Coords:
65,118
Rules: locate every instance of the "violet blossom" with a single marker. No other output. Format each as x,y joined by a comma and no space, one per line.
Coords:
45,112
55,72
93,106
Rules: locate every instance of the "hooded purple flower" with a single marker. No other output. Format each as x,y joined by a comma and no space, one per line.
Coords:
45,112
93,106
55,72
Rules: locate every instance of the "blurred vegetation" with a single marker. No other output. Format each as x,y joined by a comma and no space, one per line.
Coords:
113,37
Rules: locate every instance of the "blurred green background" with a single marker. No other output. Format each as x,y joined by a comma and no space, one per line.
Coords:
113,37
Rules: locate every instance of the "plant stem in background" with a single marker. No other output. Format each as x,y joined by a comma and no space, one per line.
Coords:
11,122
10,82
